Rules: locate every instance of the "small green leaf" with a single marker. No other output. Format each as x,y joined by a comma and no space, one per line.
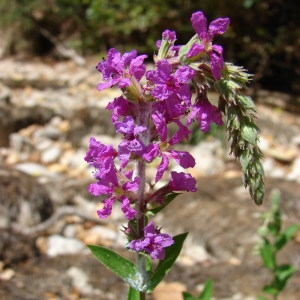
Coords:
286,236
270,289
207,291
167,201
188,296
267,255
284,272
165,265
133,294
117,264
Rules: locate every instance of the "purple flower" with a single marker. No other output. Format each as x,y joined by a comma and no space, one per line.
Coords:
168,85
153,242
118,69
128,128
169,35
154,150
218,26
115,192
131,142
101,157
120,107
182,182
206,113
182,133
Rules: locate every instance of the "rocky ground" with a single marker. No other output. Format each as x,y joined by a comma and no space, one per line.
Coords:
48,111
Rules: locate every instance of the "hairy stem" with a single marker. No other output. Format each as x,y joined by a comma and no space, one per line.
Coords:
143,118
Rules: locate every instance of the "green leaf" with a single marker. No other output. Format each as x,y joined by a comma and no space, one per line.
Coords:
133,294
270,289
283,273
268,256
286,236
165,265
207,291
188,296
167,201
119,265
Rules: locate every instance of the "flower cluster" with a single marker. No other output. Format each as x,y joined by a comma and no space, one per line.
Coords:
151,102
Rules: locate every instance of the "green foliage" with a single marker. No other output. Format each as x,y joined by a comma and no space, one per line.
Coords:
133,294
128,272
119,265
273,239
166,202
206,294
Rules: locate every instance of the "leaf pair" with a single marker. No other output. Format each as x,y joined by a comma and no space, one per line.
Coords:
127,271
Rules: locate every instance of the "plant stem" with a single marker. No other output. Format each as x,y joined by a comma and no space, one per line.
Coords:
143,116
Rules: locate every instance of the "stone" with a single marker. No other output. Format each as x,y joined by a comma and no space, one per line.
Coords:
81,280
98,235
4,93
51,155
59,245
283,154
24,202
209,158
33,169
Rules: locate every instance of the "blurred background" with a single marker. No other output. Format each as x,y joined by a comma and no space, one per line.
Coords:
264,35
50,107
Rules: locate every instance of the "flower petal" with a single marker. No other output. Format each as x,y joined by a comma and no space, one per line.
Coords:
182,182
218,26
199,24
216,61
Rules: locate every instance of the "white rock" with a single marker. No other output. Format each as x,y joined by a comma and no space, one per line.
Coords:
52,132
59,245
196,253
263,143
70,231
51,155
43,144
209,158
81,281
104,232
33,169
295,172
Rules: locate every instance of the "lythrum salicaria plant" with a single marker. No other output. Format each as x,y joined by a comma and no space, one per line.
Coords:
173,93
273,239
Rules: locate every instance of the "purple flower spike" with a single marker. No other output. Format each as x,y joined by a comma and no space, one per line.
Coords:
218,26
153,242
